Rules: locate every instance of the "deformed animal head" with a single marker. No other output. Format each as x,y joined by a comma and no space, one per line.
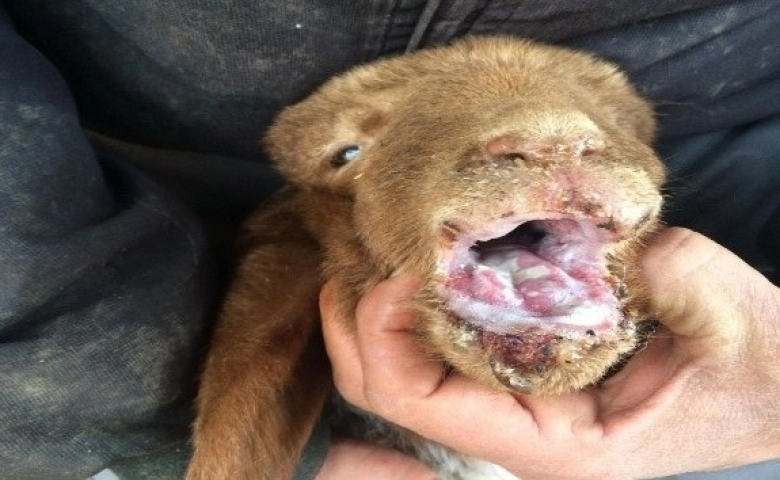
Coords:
516,179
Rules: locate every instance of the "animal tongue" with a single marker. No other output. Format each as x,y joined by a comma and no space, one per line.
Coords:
557,280
521,279
542,287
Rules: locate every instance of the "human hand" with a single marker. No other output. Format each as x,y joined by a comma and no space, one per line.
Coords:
704,394
349,459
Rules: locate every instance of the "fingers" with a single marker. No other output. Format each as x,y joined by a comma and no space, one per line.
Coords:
382,369
678,269
385,338
340,344
347,459
648,371
389,349
699,289
701,293
572,415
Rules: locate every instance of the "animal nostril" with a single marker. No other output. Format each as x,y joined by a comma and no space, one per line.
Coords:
553,149
513,157
508,147
589,145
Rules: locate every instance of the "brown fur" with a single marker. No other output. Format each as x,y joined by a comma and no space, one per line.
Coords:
478,130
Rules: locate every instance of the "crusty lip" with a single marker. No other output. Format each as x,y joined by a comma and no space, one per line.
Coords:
459,236
480,230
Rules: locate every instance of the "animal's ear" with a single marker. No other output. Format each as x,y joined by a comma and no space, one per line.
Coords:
266,378
599,80
629,110
298,139
625,106
322,141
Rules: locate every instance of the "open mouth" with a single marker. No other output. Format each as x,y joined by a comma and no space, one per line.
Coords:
517,275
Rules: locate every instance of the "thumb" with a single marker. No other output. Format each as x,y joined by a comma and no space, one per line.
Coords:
700,290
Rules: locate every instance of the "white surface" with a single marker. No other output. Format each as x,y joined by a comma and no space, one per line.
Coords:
105,475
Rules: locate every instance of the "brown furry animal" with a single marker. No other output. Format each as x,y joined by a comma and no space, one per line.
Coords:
515,179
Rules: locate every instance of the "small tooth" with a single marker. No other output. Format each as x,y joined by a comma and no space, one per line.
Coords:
531,273
621,291
464,336
450,231
517,381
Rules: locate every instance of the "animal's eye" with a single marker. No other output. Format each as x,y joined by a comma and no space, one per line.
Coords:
346,155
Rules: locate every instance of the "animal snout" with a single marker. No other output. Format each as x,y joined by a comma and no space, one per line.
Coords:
541,151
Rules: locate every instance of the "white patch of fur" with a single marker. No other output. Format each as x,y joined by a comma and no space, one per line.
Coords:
453,466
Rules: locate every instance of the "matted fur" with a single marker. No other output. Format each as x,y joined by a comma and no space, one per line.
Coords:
431,127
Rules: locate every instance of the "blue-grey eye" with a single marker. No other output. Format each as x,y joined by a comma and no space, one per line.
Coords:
346,155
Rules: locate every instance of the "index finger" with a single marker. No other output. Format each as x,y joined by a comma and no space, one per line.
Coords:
405,385
383,305
341,346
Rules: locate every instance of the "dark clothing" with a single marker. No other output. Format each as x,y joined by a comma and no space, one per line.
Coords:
208,76
106,281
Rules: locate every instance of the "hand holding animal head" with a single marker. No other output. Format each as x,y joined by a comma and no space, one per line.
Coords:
515,179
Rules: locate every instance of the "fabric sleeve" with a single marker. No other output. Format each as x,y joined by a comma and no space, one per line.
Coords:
104,289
